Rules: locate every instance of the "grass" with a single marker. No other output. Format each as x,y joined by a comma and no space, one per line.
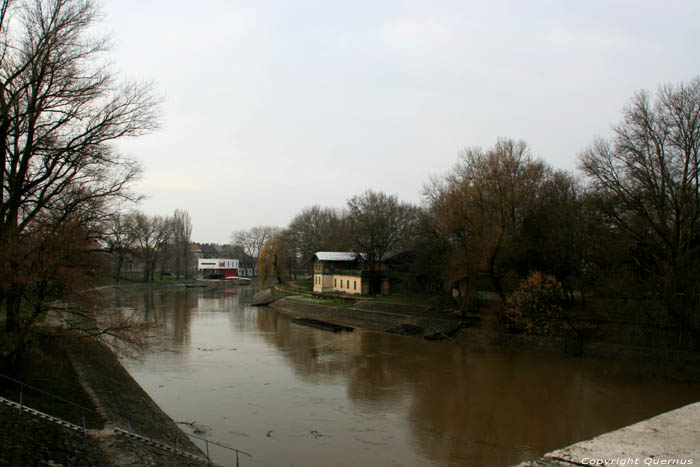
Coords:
305,284
321,301
302,284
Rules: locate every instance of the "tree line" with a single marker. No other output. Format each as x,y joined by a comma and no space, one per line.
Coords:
501,219
157,244
505,221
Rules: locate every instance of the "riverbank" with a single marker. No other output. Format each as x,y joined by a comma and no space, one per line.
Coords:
167,284
87,373
483,330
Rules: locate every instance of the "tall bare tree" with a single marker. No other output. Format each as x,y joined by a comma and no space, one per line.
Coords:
182,239
647,177
479,208
316,229
152,236
119,238
553,236
61,108
252,240
378,224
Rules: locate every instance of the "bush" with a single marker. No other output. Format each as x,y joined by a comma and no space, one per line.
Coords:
536,306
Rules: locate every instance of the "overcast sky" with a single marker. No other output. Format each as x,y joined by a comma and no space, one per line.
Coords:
273,106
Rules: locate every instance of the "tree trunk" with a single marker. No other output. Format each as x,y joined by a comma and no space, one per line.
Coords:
118,272
12,308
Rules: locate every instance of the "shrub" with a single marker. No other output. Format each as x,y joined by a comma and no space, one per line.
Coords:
536,306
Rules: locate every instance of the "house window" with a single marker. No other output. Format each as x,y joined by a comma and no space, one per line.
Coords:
348,285
354,285
335,282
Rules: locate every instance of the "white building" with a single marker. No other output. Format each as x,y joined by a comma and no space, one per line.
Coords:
218,268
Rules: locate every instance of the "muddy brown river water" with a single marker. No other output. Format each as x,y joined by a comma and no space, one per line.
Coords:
297,396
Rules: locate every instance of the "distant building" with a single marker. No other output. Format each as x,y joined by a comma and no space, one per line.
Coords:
248,269
345,272
217,268
196,251
209,250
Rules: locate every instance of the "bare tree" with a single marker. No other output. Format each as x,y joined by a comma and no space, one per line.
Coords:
554,234
648,177
252,240
119,239
182,238
479,209
152,235
60,110
379,223
316,229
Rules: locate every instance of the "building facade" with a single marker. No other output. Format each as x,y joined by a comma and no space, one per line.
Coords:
344,272
337,271
217,268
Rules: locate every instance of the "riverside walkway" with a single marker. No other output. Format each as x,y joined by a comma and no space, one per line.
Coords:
672,438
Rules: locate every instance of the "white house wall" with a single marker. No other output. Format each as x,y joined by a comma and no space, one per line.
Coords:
216,263
351,285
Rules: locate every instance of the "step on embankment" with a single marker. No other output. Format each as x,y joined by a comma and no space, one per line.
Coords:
163,446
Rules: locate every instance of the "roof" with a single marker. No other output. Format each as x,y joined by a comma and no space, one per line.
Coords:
336,255
350,256
390,254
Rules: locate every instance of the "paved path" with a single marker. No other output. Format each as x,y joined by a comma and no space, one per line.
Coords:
672,438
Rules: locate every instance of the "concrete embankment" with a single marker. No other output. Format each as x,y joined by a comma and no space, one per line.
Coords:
672,438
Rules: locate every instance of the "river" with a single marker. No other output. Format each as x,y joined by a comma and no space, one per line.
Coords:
291,395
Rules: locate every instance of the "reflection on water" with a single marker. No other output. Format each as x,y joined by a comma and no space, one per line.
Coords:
293,395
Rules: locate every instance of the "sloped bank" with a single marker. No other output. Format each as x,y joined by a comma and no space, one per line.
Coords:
365,314
123,403
88,373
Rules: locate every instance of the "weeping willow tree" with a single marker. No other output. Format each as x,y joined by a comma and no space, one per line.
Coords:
274,260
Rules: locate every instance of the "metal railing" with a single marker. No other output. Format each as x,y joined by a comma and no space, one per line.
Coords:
89,416
56,411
